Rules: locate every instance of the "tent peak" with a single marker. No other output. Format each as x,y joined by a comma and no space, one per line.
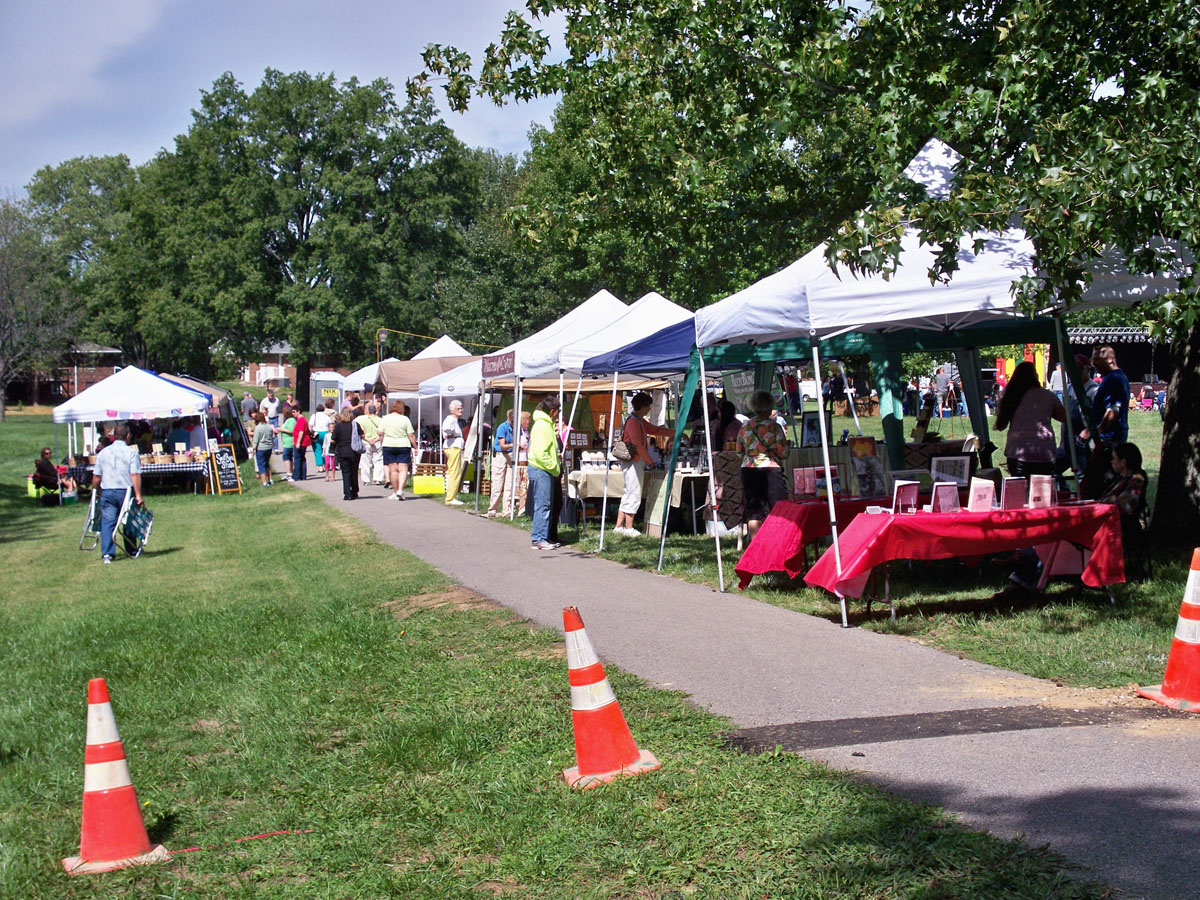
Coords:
934,168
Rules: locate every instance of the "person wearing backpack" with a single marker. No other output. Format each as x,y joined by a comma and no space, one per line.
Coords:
344,436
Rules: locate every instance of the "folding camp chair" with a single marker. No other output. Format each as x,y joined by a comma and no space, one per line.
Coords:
90,539
134,525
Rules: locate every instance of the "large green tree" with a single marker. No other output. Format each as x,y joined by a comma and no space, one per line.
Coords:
1079,120
682,158
306,210
37,312
1082,121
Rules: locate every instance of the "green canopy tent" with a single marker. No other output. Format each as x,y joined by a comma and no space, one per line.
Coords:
884,348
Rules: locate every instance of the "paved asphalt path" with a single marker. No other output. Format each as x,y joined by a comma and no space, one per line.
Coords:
1108,782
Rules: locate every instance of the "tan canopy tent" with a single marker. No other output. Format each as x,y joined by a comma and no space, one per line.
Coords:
404,377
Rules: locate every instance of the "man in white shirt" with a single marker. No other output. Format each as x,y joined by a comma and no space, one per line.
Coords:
118,468
453,444
270,407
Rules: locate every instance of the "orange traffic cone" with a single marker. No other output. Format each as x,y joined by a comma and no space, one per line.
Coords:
113,835
604,748
1180,688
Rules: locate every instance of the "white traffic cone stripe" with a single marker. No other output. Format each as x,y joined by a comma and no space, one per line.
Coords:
106,776
587,697
580,654
1188,631
101,726
1191,593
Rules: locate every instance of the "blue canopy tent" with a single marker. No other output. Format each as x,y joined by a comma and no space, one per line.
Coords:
666,352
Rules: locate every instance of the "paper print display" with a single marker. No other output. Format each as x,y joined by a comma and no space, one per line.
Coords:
1013,493
945,497
952,467
982,496
904,497
1041,491
810,430
804,481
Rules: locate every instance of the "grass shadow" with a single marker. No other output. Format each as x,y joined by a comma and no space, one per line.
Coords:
160,830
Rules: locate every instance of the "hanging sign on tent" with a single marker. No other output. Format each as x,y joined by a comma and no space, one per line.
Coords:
225,470
738,388
499,364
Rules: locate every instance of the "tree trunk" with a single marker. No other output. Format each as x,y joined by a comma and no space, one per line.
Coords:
1177,501
303,371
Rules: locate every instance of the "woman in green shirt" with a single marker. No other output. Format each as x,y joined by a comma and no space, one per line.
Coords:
398,437
286,429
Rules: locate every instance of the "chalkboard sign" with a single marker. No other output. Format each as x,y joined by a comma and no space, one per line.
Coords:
225,469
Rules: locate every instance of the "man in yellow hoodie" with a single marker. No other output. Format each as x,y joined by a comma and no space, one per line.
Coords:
544,468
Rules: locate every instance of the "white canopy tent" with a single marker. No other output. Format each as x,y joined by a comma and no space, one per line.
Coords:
586,318
809,299
443,346
650,314
365,378
132,393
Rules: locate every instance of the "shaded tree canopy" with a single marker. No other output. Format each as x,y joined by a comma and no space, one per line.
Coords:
305,210
37,312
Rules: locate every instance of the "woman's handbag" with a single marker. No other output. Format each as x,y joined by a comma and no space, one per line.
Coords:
622,450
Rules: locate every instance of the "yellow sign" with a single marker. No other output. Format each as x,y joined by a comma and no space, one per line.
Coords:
329,392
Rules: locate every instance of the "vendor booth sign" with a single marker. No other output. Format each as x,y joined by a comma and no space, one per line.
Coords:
499,364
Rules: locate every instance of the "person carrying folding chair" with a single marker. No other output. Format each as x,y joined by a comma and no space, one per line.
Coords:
118,471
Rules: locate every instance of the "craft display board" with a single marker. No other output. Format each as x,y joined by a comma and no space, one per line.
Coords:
226,476
839,457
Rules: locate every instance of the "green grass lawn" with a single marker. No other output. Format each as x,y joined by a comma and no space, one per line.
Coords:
274,668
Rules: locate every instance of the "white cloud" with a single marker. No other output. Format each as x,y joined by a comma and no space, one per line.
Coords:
89,79
56,52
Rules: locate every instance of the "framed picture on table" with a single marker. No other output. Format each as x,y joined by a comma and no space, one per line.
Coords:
921,476
810,430
955,467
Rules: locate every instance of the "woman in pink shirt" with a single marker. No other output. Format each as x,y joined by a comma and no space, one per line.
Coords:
1027,411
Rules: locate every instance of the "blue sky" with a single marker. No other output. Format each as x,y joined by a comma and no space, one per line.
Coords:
92,79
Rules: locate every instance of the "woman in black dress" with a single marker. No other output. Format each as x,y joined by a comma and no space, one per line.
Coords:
342,439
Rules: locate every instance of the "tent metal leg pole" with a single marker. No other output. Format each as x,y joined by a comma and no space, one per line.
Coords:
512,505
212,478
612,414
478,449
1062,361
712,478
675,399
837,551
853,411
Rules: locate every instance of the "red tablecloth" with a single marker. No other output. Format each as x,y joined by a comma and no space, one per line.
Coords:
779,544
871,540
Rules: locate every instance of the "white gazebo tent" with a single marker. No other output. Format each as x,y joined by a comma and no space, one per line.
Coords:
808,299
365,378
442,347
586,318
132,394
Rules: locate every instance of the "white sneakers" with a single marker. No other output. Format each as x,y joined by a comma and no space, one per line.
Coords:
455,502
628,532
